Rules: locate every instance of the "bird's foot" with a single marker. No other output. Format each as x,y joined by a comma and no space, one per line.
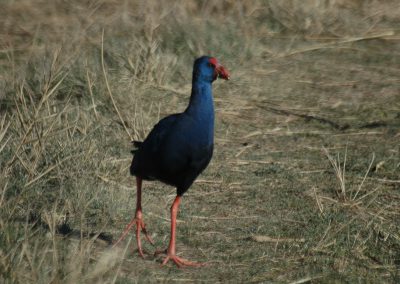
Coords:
180,262
140,227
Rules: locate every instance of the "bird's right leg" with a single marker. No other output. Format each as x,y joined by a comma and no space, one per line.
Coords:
171,250
140,226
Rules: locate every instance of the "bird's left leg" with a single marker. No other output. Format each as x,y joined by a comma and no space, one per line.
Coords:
138,220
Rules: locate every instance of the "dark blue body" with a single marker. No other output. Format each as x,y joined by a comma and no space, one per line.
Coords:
180,146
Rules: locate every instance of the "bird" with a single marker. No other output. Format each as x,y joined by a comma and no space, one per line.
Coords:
177,150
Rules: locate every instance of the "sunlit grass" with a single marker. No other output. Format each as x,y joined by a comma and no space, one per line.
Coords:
304,181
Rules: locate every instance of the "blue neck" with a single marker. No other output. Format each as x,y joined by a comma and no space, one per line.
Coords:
201,105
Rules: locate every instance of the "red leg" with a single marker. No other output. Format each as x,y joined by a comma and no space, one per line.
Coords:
140,226
171,251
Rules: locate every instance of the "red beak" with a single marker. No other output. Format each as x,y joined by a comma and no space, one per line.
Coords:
220,70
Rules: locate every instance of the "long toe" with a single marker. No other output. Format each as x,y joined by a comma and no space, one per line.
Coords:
181,262
140,227
125,232
146,234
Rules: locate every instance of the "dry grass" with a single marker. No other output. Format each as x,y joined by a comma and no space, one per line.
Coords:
304,184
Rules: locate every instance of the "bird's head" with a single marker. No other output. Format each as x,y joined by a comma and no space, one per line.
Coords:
209,69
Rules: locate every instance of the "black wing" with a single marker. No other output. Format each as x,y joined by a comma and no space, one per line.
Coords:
145,159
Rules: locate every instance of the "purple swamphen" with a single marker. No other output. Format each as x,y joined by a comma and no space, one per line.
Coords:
178,149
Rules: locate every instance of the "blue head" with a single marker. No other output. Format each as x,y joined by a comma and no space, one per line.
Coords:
208,69
205,70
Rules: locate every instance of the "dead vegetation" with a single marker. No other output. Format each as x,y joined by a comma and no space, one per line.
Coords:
304,183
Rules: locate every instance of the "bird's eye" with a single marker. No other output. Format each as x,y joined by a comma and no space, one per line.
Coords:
210,65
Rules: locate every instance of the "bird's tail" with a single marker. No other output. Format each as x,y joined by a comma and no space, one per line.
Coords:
137,145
